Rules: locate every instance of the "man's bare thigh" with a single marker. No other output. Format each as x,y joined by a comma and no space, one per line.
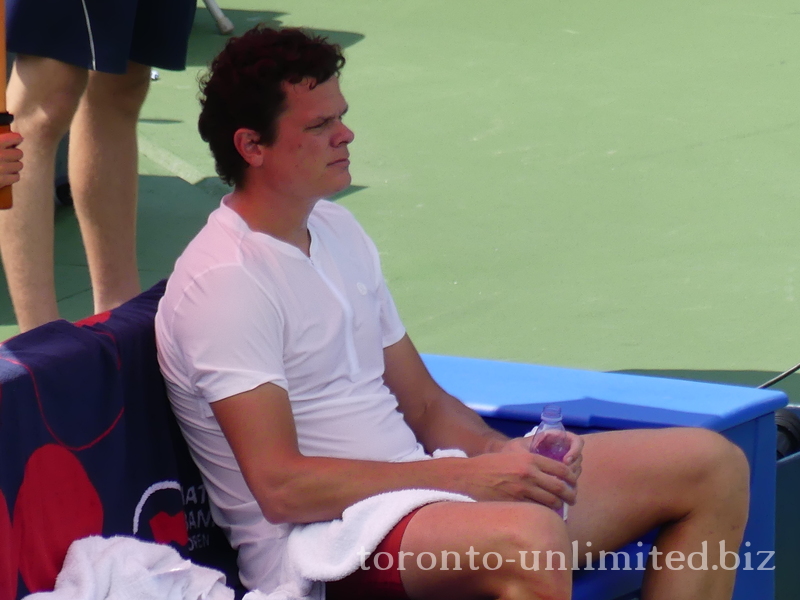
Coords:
633,480
468,550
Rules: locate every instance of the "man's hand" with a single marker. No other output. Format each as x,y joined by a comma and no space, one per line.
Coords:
520,476
571,466
10,158
523,444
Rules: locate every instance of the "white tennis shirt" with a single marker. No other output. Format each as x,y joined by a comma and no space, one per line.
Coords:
242,309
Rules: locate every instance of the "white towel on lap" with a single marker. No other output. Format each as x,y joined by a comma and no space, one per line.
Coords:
331,550
125,568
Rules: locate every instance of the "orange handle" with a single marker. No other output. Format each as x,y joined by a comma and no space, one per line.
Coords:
5,193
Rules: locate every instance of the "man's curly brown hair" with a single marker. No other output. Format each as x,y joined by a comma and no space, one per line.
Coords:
244,87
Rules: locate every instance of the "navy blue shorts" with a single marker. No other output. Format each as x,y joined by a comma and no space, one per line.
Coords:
102,35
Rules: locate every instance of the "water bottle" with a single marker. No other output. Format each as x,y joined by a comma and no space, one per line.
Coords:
551,440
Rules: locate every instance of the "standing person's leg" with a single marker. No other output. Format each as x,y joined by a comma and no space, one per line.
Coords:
103,173
42,95
693,481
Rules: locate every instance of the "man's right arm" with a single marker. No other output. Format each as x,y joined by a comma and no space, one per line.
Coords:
290,487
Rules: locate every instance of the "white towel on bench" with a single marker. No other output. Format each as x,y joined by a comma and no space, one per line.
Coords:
125,568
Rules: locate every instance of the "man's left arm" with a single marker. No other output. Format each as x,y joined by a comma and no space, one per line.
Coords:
438,419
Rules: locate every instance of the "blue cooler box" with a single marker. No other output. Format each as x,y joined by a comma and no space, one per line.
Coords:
510,397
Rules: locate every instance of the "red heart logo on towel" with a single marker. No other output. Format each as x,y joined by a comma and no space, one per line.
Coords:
55,484
169,528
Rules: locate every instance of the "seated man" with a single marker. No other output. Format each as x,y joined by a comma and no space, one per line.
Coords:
301,395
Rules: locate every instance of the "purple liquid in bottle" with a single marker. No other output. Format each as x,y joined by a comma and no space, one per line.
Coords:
552,444
550,440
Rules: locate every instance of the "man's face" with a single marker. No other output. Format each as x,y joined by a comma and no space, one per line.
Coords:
309,159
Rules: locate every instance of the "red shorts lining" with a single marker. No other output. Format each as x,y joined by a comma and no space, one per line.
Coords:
375,583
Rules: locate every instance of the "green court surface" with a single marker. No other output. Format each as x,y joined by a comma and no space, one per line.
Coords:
610,185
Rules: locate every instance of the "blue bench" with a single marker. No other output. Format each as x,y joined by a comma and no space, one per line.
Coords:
510,396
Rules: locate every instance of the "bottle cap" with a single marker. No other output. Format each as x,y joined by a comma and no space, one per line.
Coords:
551,412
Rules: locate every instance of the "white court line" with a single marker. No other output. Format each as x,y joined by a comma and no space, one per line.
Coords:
171,162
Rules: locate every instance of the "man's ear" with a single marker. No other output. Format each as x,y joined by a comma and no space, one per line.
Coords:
247,143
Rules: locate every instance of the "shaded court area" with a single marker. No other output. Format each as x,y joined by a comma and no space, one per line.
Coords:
610,186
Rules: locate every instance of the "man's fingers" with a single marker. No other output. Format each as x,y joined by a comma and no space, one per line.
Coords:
546,490
555,493
576,467
8,179
554,478
556,469
575,449
547,499
10,139
10,167
10,155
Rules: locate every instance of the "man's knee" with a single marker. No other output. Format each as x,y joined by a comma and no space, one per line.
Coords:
541,529
43,94
537,555
718,466
718,460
